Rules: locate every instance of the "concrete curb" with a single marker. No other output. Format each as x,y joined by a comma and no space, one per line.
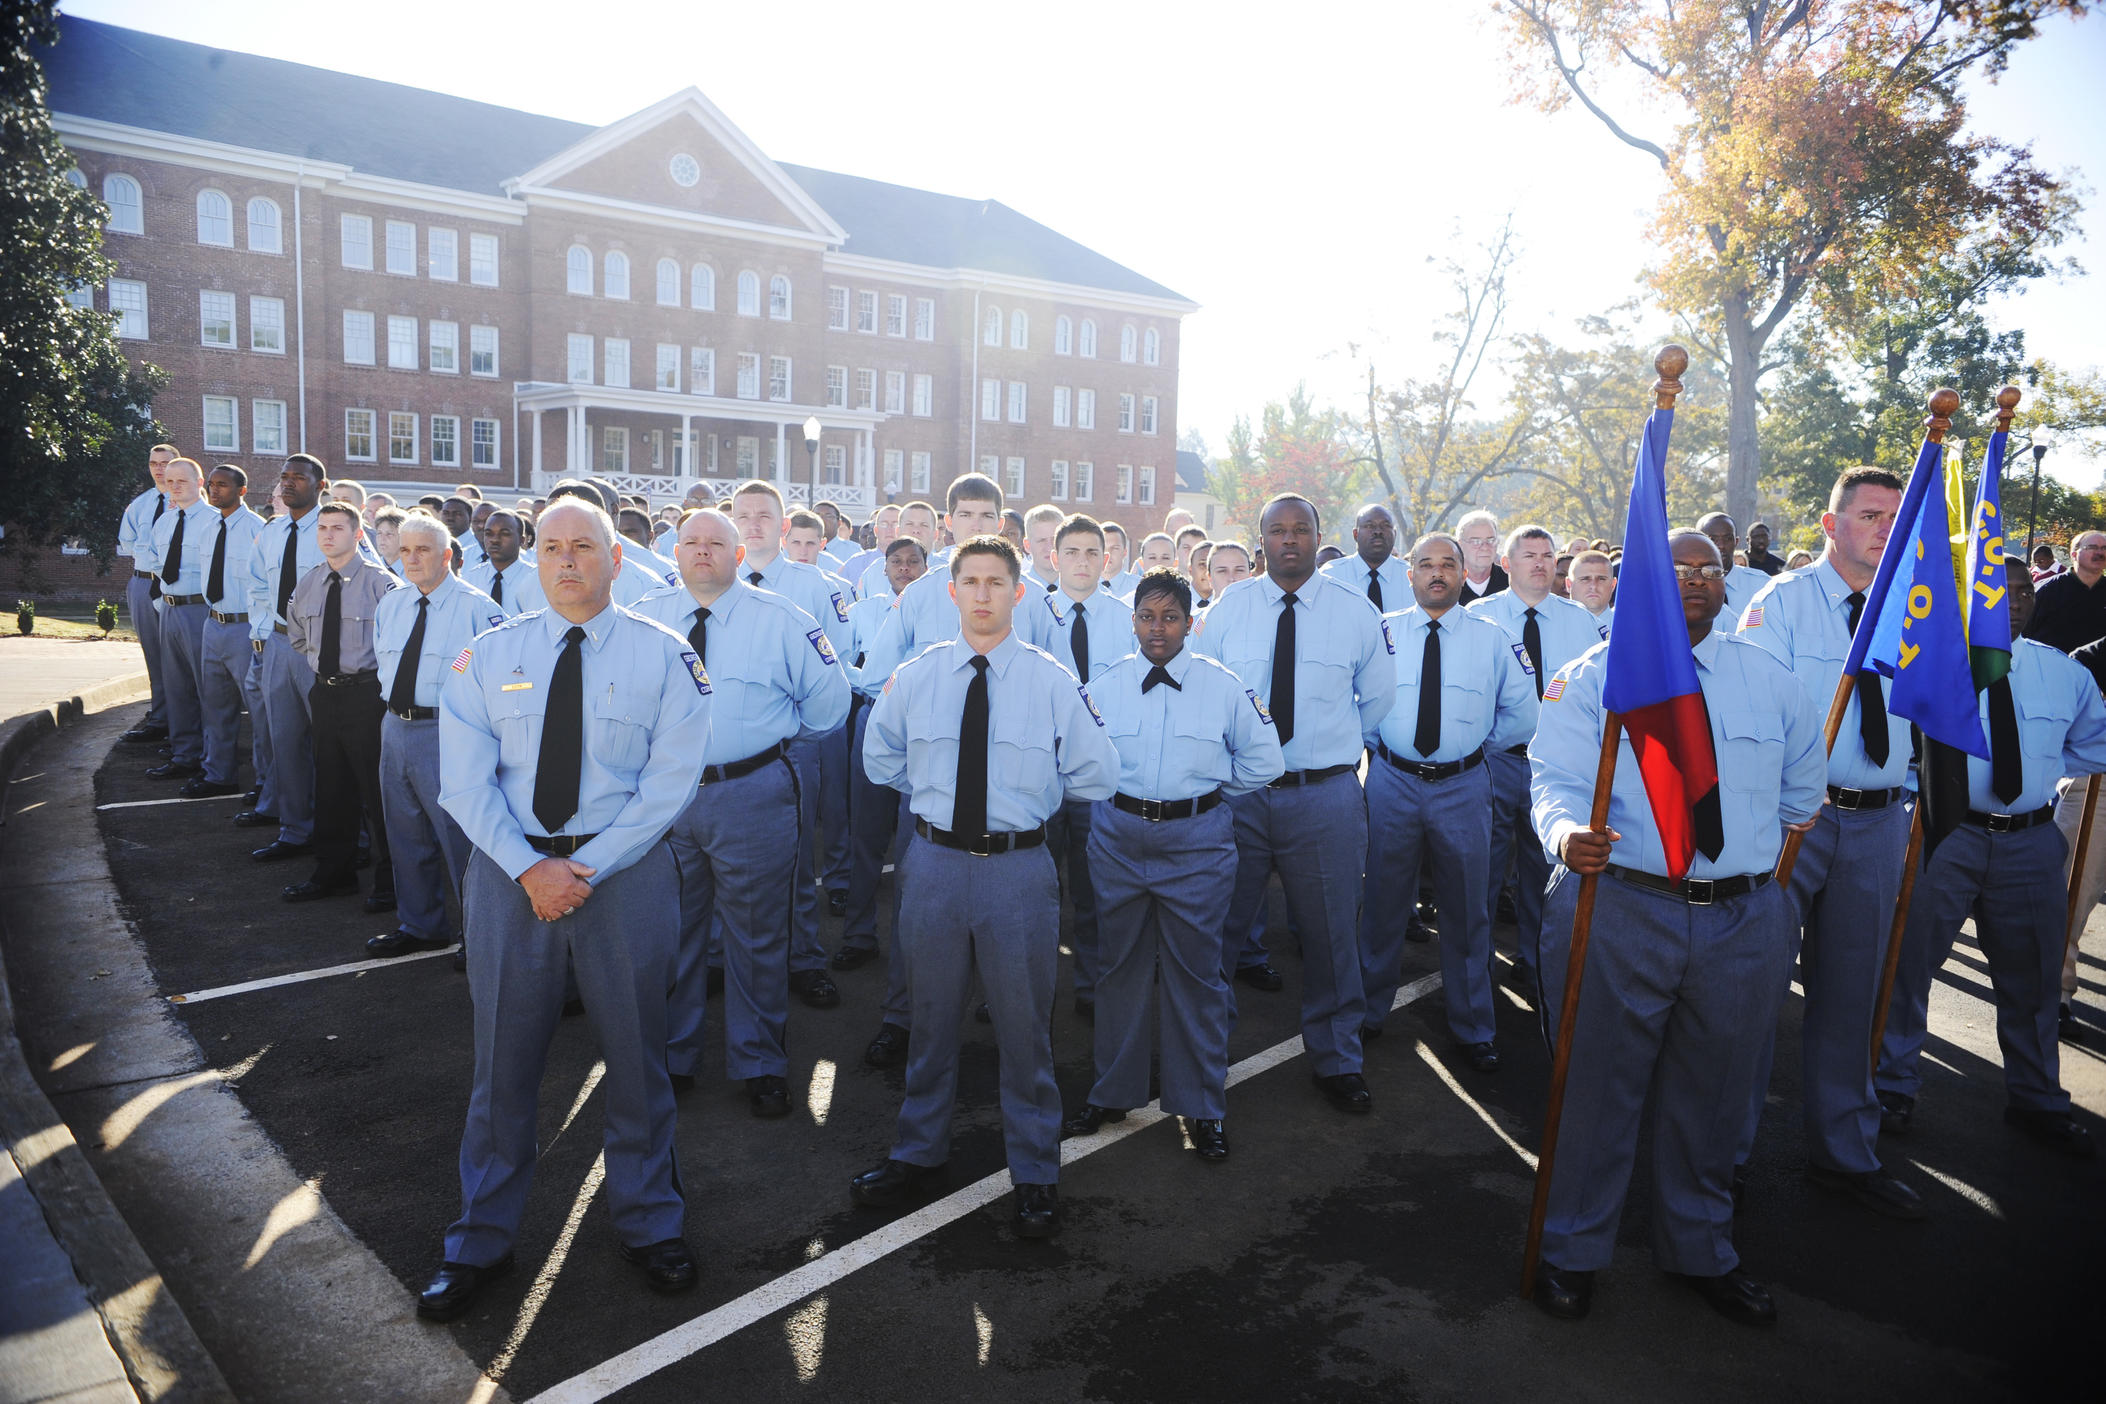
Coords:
19,734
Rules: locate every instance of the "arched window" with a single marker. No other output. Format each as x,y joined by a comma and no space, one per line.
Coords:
991,328
668,283
1063,337
121,194
702,288
617,280
1152,347
266,230
577,270
1126,342
75,179
749,294
1089,338
779,298
1019,330
215,219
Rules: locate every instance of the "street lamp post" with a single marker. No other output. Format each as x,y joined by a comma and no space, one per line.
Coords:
2033,518
811,447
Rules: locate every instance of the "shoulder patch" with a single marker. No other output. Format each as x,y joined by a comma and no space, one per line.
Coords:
1263,715
460,660
840,609
1388,642
1603,630
1752,620
1089,706
1521,657
696,671
824,645
496,619
1554,689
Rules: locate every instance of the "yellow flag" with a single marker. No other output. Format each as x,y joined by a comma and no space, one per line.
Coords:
1956,515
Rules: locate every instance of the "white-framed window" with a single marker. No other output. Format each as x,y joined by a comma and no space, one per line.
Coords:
402,437
1057,478
402,343
83,296
579,358
445,348
445,441
1085,408
1063,406
614,362
701,370
895,472
442,255
895,392
355,240
837,387
266,227
614,449
667,376
358,338
1148,403
482,260
833,464
222,424
779,297
127,208
614,280
577,270
702,288
1126,414
128,302
866,313
482,351
1085,484
1123,487
749,375
1087,345
1017,395
668,283
79,182
991,327
924,395
779,378
402,247
924,319
895,314
267,426
749,293
215,219
1063,336
745,456
1128,346
836,309
991,466
990,399
215,319
358,435
482,443
918,471
1147,487
1019,330
1151,347
866,389
1013,478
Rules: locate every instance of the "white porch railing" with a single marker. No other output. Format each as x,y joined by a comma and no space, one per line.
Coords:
854,499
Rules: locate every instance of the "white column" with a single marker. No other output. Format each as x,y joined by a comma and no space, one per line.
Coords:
570,451
536,413
689,468
782,461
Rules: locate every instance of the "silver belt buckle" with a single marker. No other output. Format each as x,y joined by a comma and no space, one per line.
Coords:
981,846
2002,823
1152,810
1697,891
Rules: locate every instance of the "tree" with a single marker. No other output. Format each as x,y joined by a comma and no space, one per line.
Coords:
1817,152
75,418
1297,449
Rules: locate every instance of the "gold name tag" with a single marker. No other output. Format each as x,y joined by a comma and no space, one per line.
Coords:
515,687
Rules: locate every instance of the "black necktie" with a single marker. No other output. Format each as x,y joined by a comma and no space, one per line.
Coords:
1160,674
497,587
1532,643
2007,774
172,565
698,637
288,568
1374,586
754,578
969,807
333,627
1283,670
216,583
403,695
1871,702
160,505
1079,644
562,737
1428,736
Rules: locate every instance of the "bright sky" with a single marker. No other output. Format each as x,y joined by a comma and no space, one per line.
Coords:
1303,181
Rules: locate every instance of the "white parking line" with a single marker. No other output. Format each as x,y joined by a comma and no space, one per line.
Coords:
686,1339
179,799
303,976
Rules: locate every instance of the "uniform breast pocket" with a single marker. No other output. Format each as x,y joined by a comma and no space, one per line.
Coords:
932,747
1320,681
518,718
2047,722
1021,753
1753,758
621,728
1196,745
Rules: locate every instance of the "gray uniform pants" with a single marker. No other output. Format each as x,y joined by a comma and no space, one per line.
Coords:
1445,827
286,682
807,946
881,826
428,848
833,808
222,689
182,673
621,944
1000,914
1316,836
146,623
735,845
1068,835
1514,839
259,731
1162,902
1677,999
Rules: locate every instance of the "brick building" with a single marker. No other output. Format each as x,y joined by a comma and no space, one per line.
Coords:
422,290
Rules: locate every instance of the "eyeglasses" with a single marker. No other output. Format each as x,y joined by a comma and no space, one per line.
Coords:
1710,574
1480,541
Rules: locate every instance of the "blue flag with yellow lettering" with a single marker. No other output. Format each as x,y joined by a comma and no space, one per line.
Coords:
1988,606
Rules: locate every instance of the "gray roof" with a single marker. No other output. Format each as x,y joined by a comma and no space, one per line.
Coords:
1191,472
126,76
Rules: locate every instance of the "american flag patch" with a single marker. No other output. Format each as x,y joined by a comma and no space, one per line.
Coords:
1554,689
460,660
1753,618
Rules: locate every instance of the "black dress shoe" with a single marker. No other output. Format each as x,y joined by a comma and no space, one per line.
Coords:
574,1008
1370,1032
1736,1296
312,891
144,733
1483,1056
201,788
2066,1026
1740,1184
816,988
667,1266
1037,1211
713,983
1565,1293
1261,977
255,792
255,819
837,903
1209,1140
888,1049
175,770
1086,1008
1504,911
452,1288
682,1082
1419,933
401,943
853,957
1874,1189
460,961
893,1182
2054,1129
1346,1091
278,850
769,1095
983,1015
1896,1111
1089,1119
380,902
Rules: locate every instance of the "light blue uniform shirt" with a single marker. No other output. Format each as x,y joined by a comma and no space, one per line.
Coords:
1488,696
646,731
523,593
1209,733
772,667
1803,620
1352,572
1045,743
852,570
1345,675
818,593
1110,631
267,557
641,575
865,619
1765,736
200,517
1124,583
2061,727
1567,630
243,527
458,612
839,551
135,529
472,553
1743,584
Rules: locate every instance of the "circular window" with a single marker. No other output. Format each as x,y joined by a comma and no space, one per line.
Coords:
686,170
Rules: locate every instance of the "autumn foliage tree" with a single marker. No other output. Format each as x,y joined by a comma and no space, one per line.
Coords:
1296,448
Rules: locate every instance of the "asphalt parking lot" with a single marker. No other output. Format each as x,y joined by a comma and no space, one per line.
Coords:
1330,1258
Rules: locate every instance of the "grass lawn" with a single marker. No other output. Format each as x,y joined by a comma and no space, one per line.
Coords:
73,620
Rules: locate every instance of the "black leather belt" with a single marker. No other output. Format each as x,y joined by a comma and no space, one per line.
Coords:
1520,750
1697,892
558,845
182,599
1427,770
280,628
370,675
142,575
980,845
1843,797
415,713
2011,823
732,770
1295,778
1155,811
218,618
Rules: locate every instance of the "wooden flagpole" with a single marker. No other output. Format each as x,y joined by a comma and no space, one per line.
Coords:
2076,870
